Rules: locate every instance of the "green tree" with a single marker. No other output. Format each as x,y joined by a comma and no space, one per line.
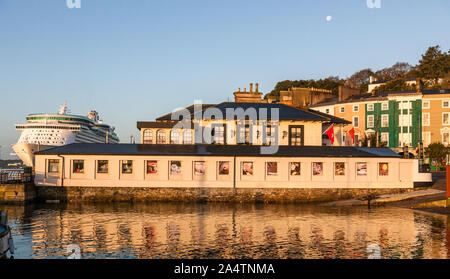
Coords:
434,63
436,151
330,83
360,80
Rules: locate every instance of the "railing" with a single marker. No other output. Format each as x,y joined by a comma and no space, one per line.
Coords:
11,176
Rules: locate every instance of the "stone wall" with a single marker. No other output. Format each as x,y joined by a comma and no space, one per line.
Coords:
17,193
109,194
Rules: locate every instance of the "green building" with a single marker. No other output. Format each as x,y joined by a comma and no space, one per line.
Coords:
396,118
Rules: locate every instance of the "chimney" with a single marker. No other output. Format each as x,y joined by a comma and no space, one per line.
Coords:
256,87
251,87
239,89
419,85
245,90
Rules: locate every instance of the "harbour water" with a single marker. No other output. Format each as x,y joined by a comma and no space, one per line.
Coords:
225,231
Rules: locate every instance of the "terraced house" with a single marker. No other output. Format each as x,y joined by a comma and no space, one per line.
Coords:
398,118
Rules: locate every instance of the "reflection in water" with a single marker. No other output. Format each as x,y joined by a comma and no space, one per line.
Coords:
177,230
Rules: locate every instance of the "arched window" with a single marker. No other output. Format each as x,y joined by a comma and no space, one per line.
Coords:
174,137
161,137
187,137
148,137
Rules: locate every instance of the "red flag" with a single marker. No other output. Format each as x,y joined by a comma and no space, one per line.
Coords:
352,133
330,134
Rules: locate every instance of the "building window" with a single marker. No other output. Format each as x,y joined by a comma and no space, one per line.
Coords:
426,104
175,167
370,107
339,169
296,135
127,166
160,137
102,166
384,106
272,168
370,121
426,119
385,120
405,105
218,133
405,120
78,166
247,168
317,168
446,104
385,138
356,121
244,135
152,167
426,138
53,165
355,108
295,168
342,109
327,111
187,137
383,169
445,118
174,137
199,168
148,137
269,137
445,137
361,169
224,167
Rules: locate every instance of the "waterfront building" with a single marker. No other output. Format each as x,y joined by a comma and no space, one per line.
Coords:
227,167
288,126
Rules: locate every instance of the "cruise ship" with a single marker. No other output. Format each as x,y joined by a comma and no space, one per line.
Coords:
44,131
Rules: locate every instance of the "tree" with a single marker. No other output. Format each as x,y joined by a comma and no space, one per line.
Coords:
436,151
330,83
434,64
360,80
397,71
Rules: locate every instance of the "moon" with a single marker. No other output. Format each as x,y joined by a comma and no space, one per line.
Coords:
329,18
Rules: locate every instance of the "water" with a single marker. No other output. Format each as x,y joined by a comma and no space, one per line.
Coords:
177,230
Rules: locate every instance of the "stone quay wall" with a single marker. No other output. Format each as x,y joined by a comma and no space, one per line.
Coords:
17,193
241,195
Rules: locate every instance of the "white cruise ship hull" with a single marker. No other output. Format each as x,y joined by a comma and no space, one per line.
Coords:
25,151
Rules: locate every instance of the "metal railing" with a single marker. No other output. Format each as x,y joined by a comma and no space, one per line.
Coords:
11,176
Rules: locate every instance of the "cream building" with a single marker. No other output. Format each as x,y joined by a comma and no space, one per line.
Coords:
274,123
216,166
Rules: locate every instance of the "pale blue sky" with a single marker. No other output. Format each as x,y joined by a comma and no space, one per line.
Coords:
133,60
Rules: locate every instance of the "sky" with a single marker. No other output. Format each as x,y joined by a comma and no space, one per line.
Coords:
134,60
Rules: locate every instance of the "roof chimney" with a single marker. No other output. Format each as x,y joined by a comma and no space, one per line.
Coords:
419,85
239,89
256,87
251,87
245,89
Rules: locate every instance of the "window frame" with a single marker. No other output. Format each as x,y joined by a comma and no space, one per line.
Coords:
53,161
98,167
77,161
373,121
387,120
387,106
423,104
122,165
357,108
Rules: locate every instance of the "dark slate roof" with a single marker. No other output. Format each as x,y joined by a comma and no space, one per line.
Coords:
144,124
215,150
168,116
285,112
